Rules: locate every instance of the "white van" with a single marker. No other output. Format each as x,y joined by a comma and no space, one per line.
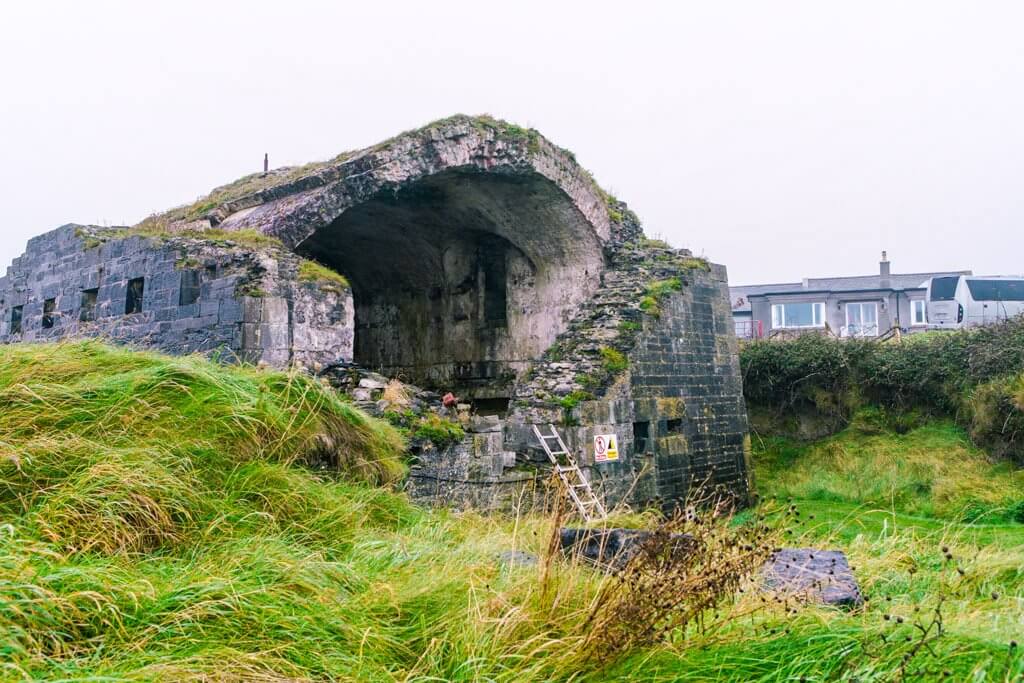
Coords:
964,300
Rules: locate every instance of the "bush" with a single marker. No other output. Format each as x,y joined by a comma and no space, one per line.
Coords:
996,413
974,375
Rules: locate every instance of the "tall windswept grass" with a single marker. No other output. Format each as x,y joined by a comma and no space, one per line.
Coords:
156,524
113,449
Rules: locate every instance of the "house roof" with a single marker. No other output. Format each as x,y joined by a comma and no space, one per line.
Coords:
740,296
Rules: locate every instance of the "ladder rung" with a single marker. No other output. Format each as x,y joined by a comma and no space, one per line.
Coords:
587,504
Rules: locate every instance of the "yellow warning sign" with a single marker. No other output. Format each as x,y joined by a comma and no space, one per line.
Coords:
606,448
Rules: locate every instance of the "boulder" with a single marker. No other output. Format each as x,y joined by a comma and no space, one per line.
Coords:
822,576
613,548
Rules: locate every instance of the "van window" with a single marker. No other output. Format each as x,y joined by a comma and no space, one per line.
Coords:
996,290
944,288
917,310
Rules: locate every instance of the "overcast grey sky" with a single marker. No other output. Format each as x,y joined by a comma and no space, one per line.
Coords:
784,139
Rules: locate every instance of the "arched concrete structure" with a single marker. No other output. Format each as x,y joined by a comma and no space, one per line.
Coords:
468,245
474,249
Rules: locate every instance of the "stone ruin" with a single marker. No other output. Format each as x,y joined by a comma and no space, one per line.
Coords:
470,256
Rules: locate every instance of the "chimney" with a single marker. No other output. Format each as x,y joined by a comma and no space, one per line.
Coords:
883,266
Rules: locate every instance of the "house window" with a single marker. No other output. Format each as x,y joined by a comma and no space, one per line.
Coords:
798,315
917,312
87,311
16,319
862,319
133,301
189,291
49,306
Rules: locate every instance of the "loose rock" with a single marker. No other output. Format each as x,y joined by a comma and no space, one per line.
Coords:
816,575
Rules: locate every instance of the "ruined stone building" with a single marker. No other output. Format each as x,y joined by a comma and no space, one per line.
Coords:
474,257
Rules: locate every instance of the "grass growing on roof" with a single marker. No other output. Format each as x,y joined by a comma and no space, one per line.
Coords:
160,230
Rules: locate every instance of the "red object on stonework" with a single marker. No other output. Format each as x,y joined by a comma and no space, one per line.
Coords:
448,400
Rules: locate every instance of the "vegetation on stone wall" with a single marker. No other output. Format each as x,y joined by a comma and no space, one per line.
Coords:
656,291
323,277
612,360
975,376
438,430
423,427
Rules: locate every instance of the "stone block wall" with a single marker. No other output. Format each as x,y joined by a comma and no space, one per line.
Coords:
677,408
197,295
687,393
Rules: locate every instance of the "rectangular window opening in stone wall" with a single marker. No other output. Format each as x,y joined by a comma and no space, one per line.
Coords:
674,426
16,319
49,306
87,311
133,300
189,290
641,436
495,285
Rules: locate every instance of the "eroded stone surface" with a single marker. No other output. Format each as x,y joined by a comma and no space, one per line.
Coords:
814,575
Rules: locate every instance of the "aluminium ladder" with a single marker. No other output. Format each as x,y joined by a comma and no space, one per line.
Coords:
575,482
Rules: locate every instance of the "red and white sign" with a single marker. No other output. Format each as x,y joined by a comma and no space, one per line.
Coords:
606,448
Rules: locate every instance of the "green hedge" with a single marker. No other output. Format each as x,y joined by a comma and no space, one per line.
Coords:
974,375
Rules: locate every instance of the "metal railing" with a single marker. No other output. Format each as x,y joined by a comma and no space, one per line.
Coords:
749,329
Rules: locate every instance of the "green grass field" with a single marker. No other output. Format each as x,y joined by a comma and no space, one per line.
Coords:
157,523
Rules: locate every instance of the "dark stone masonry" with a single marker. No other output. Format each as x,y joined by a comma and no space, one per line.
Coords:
174,293
477,258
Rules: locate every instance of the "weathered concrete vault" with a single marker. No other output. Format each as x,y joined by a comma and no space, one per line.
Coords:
461,278
478,258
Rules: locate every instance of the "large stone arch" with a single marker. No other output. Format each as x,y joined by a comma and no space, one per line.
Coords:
469,244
